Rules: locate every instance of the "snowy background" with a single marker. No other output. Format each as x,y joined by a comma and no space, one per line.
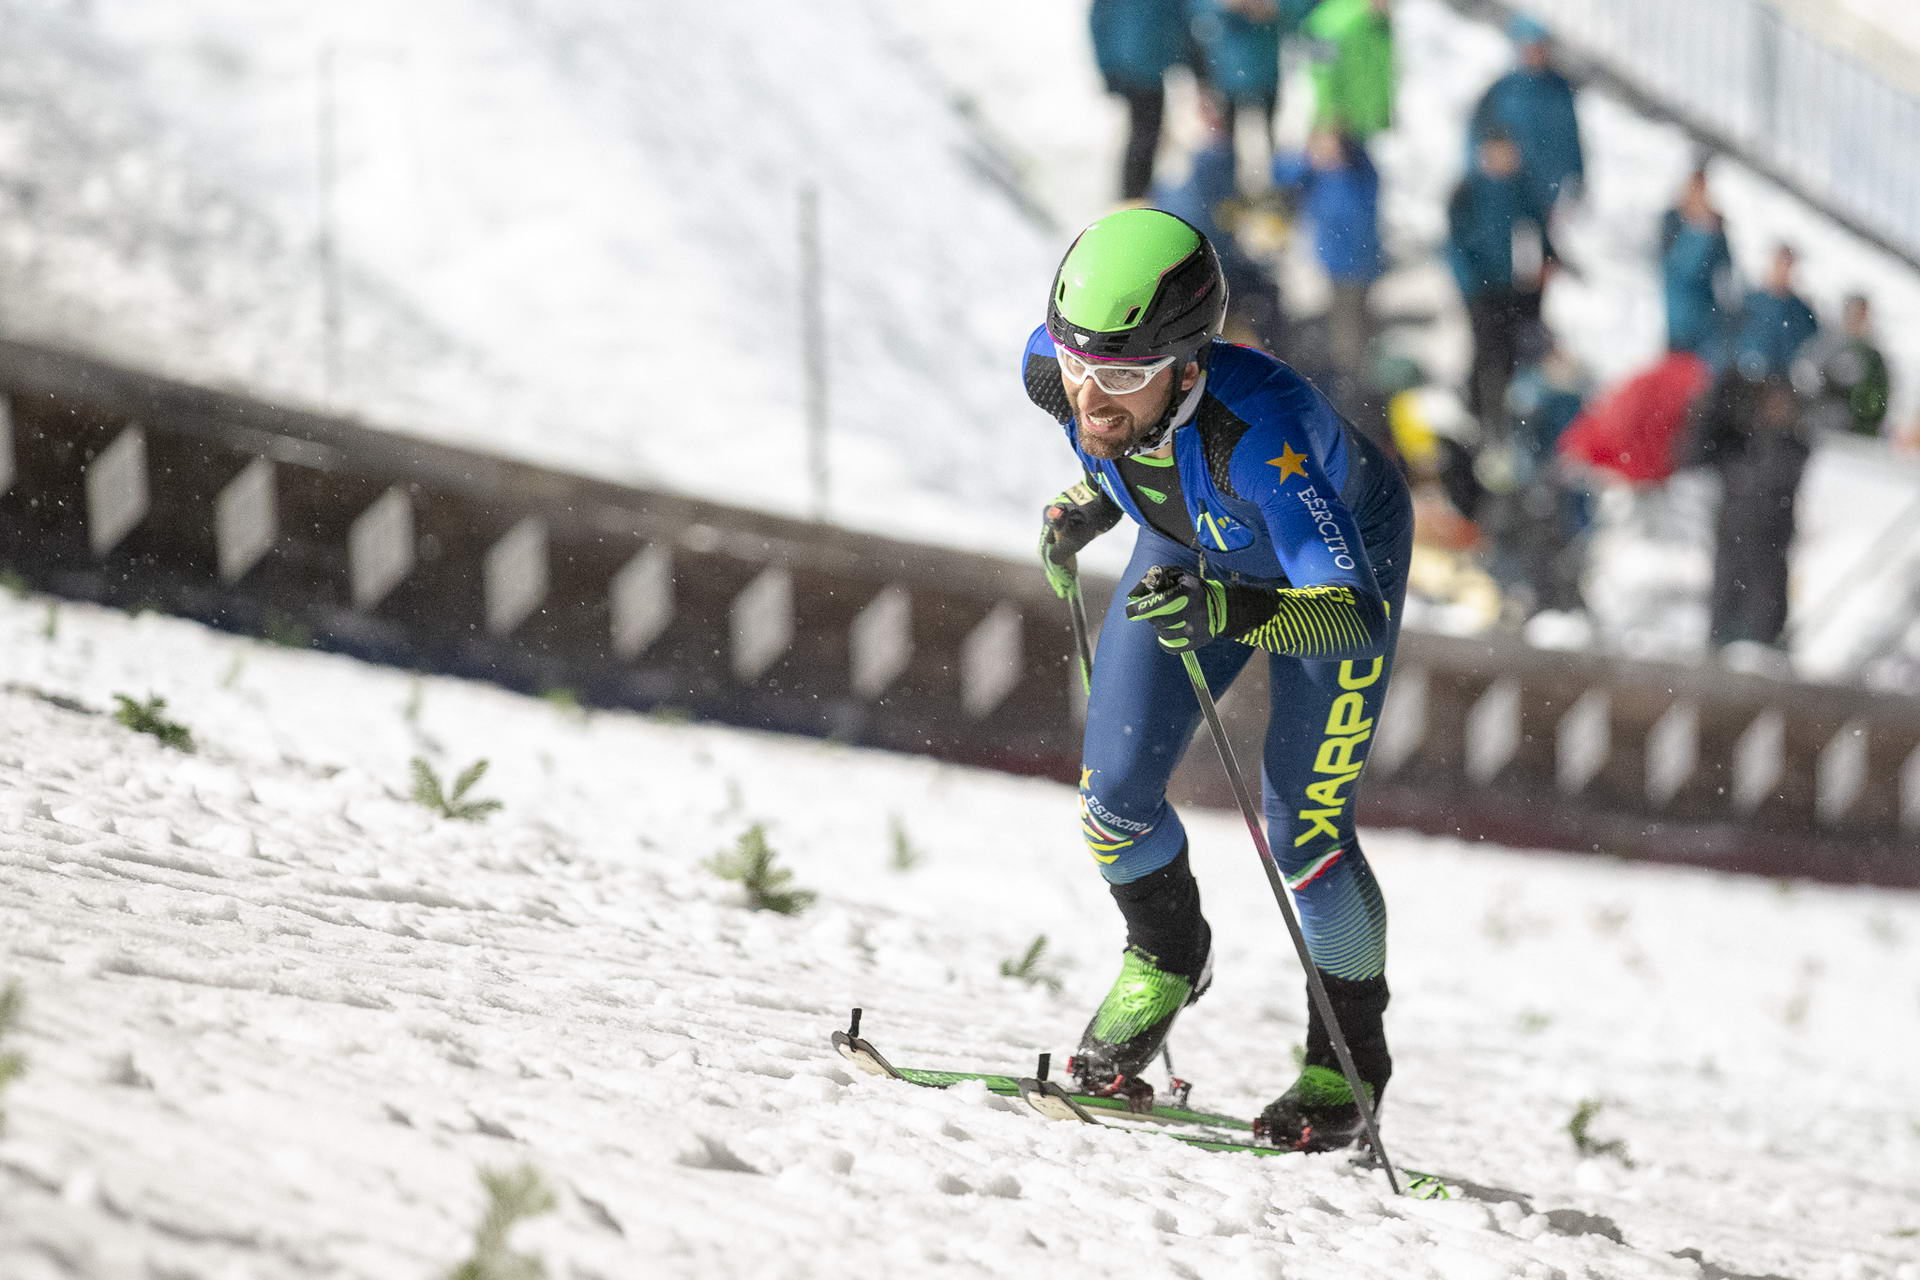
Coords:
569,232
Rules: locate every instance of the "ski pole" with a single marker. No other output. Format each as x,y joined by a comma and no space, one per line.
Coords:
1081,645
1315,988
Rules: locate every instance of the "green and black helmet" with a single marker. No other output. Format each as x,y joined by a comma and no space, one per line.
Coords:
1137,285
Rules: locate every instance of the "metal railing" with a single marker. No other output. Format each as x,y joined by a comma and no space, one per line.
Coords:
1745,79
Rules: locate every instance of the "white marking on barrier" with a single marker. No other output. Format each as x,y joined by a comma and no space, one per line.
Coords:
761,620
1910,792
641,600
1759,758
246,520
1403,721
1493,730
880,641
514,574
380,548
117,495
7,464
990,665
1840,774
1673,751
1582,741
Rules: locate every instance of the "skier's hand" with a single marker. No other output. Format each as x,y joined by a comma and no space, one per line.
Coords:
1071,521
1185,609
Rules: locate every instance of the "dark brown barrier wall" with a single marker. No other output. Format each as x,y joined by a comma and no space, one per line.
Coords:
136,491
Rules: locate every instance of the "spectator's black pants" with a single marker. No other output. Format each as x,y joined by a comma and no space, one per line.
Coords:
1350,328
1752,535
1495,316
1263,108
1145,108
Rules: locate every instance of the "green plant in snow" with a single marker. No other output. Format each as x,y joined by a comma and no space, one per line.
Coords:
13,584
513,1196
905,855
287,632
150,717
12,1065
1027,968
50,627
750,864
566,701
1585,1143
452,803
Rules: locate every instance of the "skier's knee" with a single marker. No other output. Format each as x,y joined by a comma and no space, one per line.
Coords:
1128,847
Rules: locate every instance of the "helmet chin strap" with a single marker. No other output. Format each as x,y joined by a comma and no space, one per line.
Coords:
1178,414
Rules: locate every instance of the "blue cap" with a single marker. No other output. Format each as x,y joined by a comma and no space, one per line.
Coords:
1525,30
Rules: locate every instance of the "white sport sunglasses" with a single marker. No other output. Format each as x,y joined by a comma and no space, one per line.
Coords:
1114,379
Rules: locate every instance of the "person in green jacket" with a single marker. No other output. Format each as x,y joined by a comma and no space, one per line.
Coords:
1353,76
1848,374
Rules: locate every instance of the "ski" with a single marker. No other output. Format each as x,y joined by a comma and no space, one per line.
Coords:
1205,1131
862,1054
1055,1103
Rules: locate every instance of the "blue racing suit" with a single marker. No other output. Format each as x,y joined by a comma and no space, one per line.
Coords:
1270,492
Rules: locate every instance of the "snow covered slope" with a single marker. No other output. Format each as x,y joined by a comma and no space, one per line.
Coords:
277,1014
568,232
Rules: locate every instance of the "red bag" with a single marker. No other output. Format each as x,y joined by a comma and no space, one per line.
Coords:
1632,429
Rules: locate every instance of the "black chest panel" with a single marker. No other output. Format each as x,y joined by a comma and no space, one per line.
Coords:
1156,492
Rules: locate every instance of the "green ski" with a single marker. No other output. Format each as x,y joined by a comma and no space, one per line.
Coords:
1204,1130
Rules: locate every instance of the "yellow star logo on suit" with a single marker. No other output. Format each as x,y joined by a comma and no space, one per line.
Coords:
1290,463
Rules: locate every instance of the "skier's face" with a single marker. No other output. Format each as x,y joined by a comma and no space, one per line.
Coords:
1110,425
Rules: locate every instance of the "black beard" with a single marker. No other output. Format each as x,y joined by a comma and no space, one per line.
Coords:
1109,448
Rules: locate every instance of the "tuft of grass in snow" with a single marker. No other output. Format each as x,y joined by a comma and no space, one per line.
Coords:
513,1196
1027,968
454,804
1532,1021
50,627
150,717
905,856
1578,1128
566,701
750,864
287,632
12,1065
13,584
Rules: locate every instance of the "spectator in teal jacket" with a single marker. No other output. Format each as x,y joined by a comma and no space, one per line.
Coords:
1493,205
1775,322
1696,271
1240,42
1533,105
1134,42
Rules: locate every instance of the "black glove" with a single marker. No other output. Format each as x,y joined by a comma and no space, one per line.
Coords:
1185,609
1072,520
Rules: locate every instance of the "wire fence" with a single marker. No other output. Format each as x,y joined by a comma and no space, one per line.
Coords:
1741,74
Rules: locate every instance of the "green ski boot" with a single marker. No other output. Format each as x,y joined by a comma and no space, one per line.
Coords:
1317,1113
1131,1025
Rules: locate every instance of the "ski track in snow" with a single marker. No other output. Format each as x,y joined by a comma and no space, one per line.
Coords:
278,1014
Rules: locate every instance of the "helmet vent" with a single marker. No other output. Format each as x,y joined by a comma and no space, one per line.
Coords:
1131,317
1060,294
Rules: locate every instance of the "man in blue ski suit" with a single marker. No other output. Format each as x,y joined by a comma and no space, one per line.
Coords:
1265,521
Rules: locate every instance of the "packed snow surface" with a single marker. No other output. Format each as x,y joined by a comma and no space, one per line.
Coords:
277,1014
